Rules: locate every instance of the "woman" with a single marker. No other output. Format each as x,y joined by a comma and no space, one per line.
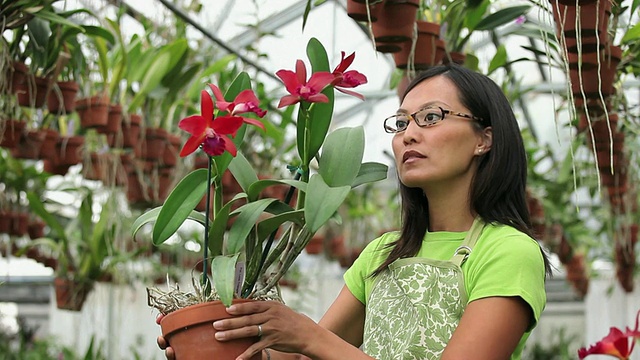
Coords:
463,278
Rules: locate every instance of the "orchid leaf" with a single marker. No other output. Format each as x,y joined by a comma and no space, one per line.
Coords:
256,188
502,17
244,224
179,204
242,171
223,269
219,226
632,34
320,114
152,78
322,202
37,207
342,156
499,59
267,226
152,215
370,172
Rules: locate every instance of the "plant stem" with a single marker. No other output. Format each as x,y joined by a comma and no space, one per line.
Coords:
206,224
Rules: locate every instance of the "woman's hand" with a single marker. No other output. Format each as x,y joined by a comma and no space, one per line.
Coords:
163,344
281,328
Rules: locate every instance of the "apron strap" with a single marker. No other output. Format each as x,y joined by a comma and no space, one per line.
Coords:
464,250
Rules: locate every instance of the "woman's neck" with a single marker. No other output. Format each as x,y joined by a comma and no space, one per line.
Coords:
450,208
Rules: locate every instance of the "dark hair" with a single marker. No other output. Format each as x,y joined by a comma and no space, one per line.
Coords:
498,190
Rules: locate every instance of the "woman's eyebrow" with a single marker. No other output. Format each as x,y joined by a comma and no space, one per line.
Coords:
423,106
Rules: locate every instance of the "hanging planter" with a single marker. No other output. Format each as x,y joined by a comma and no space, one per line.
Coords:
71,295
595,80
152,145
93,111
33,92
593,19
395,25
12,132
191,335
131,130
29,145
69,150
171,151
62,97
428,50
359,11
18,75
48,147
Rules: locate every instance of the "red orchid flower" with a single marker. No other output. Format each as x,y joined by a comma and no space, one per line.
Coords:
348,79
618,344
208,131
245,102
301,89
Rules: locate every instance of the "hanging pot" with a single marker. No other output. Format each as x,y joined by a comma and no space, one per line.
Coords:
591,80
33,92
152,145
12,132
192,337
18,75
69,150
395,24
131,130
93,111
171,151
62,97
428,50
359,11
592,19
113,125
29,145
70,294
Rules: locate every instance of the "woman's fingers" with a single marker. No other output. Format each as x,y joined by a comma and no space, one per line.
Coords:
162,343
223,334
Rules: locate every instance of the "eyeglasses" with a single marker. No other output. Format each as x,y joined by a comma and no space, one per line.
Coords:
428,116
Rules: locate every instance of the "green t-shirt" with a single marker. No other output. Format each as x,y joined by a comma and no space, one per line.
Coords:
504,262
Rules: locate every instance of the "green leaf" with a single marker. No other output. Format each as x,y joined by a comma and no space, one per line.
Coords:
54,18
216,67
242,171
256,188
370,172
342,156
632,34
152,78
499,59
152,215
243,225
322,202
305,16
223,269
219,226
179,204
502,17
38,208
267,226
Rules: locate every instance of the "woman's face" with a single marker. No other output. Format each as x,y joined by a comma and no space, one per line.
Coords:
442,153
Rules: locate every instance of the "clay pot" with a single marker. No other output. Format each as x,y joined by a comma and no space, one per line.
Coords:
33,92
395,25
12,132
71,295
29,145
18,75
592,81
69,150
131,130
315,246
593,22
35,229
113,125
428,51
357,10
171,151
454,57
152,145
93,111
192,337
48,147
62,97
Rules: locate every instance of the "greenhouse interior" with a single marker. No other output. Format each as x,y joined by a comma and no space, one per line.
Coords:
118,193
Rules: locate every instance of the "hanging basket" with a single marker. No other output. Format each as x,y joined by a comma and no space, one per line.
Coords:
62,97
71,295
93,111
395,25
428,51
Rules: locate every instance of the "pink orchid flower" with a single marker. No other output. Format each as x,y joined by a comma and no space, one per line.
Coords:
348,79
302,90
208,131
618,344
245,102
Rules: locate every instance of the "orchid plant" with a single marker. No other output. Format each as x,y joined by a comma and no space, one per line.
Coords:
247,260
618,343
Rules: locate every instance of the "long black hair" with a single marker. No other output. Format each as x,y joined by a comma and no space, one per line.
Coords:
498,190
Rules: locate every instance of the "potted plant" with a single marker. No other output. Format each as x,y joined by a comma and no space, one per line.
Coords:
247,262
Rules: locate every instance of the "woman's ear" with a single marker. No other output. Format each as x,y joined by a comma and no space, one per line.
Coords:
485,141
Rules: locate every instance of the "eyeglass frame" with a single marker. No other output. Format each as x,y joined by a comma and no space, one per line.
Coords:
443,111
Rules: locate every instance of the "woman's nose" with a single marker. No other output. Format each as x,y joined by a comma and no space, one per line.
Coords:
411,133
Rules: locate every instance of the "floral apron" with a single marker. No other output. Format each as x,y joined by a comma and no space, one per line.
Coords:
415,306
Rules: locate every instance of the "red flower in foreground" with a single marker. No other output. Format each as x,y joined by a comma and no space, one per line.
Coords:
618,344
245,102
301,89
208,131
348,79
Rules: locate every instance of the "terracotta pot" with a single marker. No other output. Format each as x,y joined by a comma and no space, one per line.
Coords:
5,222
395,25
12,132
48,147
71,295
20,224
35,229
131,130
69,150
595,82
62,97
18,75
428,51
97,167
114,123
315,246
29,145
192,337
54,169
152,145
593,22
357,10
454,57
93,111
165,179
33,92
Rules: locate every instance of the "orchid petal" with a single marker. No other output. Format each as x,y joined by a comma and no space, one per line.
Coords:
352,93
227,124
345,62
320,80
230,146
301,72
289,79
206,105
317,98
194,124
220,101
191,145
288,100
254,122
246,96
352,79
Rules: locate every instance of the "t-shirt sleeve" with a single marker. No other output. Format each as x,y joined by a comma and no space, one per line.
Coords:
357,277
508,265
